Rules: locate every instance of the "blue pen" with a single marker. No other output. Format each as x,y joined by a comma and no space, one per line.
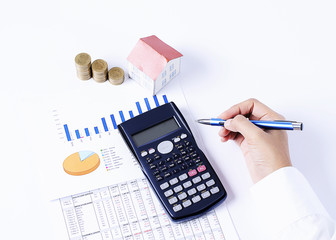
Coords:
276,125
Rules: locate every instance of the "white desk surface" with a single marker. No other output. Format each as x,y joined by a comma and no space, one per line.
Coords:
281,52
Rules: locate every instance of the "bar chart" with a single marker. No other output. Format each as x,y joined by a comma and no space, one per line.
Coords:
109,124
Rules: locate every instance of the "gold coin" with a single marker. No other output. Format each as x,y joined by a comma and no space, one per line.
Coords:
116,75
99,65
83,60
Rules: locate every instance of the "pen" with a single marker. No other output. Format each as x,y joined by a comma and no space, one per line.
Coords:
276,125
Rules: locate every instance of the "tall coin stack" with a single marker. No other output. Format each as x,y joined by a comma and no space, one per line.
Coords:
116,76
99,70
83,66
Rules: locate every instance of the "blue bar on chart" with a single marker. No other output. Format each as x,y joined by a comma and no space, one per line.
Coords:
139,107
67,133
77,134
96,130
104,124
113,121
122,116
87,133
165,98
147,104
131,114
156,101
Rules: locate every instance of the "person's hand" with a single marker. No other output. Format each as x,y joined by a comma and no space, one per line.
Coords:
265,151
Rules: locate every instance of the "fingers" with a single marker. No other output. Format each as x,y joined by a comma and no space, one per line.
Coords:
242,125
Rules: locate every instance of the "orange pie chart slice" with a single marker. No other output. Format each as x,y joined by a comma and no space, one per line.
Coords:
81,163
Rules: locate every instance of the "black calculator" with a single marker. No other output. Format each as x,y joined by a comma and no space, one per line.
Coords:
179,172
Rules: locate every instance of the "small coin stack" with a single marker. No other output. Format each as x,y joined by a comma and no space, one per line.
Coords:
116,75
99,70
83,66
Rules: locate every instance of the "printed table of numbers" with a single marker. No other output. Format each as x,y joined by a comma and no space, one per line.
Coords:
129,210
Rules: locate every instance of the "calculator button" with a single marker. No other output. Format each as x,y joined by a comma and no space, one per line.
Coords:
183,136
157,157
177,208
176,170
156,172
149,160
214,190
201,187
161,163
196,199
151,150
168,174
152,166
192,173
173,181
183,176
178,188
210,183
172,200
186,203
168,193
182,196
144,153
205,194
177,139
205,176
165,147
163,168
201,168
171,165
192,191
187,184
197,180
168,159
163,186
159,178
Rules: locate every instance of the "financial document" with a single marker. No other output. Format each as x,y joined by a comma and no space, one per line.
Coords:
94,184
129,210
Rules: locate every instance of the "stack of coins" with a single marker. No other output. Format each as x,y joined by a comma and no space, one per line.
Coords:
99,70
116,75
83,66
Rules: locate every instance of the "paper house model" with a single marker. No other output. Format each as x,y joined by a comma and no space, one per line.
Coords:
152,63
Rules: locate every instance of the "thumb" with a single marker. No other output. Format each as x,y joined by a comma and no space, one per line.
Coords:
242,125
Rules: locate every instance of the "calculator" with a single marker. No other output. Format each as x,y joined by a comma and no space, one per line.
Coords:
178,171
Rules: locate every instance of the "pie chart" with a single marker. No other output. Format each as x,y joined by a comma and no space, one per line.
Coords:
81,163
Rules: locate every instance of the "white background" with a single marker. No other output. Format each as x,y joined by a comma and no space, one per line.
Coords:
281,52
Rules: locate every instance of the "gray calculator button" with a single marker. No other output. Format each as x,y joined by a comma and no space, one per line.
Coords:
186,203
168,193
205,175
197,179
192,191
201,187
177,208
183,176
173,181
178,188
205,194
182,196
210,183
165,147
187,184
163,186
214,190
196,199
172,200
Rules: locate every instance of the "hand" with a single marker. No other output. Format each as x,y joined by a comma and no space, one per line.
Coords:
265,151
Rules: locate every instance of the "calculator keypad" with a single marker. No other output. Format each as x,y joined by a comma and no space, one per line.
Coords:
184,177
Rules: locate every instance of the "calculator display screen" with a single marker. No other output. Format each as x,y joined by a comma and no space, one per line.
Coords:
155,132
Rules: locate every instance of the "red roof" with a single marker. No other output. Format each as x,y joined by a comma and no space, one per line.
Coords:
151,55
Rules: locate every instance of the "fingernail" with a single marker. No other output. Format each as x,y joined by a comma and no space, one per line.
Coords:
227,123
